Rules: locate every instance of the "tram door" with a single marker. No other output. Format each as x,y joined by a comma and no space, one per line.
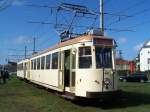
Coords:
26,70
67,68
69,73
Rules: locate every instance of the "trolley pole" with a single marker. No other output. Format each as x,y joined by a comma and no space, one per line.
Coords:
102,16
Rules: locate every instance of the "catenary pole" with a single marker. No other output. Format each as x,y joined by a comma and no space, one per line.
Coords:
102,16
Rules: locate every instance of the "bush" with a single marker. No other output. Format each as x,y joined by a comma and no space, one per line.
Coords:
123,72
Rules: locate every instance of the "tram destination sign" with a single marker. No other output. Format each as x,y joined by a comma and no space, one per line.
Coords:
103,41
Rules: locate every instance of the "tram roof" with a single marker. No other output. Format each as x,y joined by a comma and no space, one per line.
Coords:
84,38
23,61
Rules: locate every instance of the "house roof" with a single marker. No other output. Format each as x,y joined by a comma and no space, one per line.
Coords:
122,62
145,45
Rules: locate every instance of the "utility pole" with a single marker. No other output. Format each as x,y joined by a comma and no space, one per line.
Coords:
34,39
102,16
25,52
120,54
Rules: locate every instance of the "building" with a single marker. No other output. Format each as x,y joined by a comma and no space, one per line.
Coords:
137,63
145,57
125,65
122,65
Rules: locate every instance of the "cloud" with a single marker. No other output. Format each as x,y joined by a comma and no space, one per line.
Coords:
138,46
3,58
18,3
122,40
23,40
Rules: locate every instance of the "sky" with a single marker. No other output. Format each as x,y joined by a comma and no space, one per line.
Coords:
129,17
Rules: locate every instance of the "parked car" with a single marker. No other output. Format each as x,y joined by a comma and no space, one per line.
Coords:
136,77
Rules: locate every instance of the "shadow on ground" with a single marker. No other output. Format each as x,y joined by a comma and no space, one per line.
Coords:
127,99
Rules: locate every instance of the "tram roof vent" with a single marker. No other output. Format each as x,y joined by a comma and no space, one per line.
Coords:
96,32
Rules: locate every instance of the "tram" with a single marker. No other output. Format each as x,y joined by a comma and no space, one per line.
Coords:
80,67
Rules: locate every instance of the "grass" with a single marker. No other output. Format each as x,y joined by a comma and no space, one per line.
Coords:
18,96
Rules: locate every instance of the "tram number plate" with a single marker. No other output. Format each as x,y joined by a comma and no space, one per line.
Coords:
102,41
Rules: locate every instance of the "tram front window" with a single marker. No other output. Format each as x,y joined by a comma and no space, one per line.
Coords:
103,57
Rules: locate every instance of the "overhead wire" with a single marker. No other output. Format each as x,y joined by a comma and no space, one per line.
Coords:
132,15
38,28
5,4
97,16
133,6
139,24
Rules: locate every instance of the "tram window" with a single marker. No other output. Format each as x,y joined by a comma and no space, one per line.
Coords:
103,57
85,59
38,63
60,55
34,64
83,51
55,60
20,66
43,62
25,66
48,59
31,64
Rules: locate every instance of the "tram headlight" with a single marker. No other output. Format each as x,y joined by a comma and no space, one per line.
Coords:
74,50
107,83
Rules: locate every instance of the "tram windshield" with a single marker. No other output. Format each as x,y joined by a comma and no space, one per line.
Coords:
103,57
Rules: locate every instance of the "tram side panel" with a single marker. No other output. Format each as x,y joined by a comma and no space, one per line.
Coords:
20,74
43,76
48,78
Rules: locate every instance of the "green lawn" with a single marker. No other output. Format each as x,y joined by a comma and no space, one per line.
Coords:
18,96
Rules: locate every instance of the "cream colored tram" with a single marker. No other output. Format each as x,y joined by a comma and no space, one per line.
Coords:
79,67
